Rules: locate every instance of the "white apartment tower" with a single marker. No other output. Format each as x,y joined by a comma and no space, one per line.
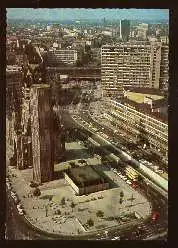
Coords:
130,64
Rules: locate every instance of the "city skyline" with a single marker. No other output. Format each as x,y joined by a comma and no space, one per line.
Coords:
87,125
87,14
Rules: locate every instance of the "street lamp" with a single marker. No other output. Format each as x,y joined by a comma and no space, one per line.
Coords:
46,210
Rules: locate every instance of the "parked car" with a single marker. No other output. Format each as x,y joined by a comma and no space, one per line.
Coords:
16,199
20,210
12,194
8,185
116,238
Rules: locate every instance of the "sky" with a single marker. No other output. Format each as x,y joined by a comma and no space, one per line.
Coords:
73,14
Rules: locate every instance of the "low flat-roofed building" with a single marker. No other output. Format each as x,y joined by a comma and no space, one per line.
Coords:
153,105
141,98
85,180
61,57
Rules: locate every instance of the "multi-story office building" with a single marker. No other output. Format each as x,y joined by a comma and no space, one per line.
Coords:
137,124
164,67
124,30
61,57
142,34
142,31
41,128
130,64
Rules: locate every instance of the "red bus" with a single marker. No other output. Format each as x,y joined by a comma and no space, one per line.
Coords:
155,216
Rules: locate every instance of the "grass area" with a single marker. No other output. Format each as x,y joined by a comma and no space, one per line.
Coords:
139,97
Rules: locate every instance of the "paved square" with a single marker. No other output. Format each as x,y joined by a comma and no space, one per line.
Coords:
69,216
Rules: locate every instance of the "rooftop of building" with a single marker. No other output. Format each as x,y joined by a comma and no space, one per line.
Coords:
40,85
132,43
139,97
84,175
144,90
146,109
160,103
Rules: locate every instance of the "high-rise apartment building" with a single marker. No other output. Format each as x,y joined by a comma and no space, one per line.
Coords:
124,30
41,128
130,64
164,67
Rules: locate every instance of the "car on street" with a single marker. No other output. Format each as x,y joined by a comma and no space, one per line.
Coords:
13,194
20,210
8,185
116,238
16,199
129,182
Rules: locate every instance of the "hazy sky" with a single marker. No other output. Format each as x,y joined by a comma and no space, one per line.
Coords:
69,14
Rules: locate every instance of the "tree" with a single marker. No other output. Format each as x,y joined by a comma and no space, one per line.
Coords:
100,213
46,210
33,184
63,201
58,211
90,222
37,192
72,205
121,201
121,194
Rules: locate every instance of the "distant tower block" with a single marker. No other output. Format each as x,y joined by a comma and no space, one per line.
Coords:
41,128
